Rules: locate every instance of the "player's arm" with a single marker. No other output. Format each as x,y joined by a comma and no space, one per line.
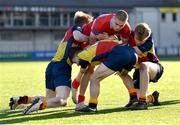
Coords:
78,35
138,51
101,36
97,36
104,35
144,47
125,41
92,38
113,37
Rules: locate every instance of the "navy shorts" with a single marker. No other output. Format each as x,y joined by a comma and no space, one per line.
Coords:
121,57
136,76
58,74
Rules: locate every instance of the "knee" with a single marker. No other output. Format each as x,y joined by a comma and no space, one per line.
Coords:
63,102
94,78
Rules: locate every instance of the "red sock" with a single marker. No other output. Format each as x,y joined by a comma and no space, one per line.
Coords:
75,84
81,98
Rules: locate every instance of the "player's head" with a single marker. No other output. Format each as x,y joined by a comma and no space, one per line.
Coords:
80,18
73,54
119,20
142,33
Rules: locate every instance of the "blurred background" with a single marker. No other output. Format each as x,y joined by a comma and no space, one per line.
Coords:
32,29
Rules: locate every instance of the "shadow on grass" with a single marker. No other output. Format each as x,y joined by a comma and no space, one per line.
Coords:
66,113
17,113
170,102
20,118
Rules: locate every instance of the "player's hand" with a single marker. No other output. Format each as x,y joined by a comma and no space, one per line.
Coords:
102,36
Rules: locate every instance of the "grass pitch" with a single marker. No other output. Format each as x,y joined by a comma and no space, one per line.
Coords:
27,78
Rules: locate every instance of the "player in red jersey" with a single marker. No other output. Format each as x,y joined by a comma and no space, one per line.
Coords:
107,25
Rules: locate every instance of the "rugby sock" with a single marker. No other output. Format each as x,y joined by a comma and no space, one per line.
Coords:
142,98
24,100
81,98
93,103
75,84
29,100
43,105
150,98
132,93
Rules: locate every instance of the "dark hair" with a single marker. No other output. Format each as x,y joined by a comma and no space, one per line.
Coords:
73,51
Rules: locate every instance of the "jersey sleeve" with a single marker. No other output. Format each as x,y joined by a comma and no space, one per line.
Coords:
97,27
77,28
147,46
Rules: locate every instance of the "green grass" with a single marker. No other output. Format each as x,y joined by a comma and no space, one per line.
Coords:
27,78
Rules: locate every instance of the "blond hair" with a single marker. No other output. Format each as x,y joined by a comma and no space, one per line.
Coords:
81,18
142,31
122,15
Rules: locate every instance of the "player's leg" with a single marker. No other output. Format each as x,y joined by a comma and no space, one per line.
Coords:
83,87
128,82
148,71
126,60
154,97
49,94
15,101
100,73
119,58
61,84
62,93
75,86
60,99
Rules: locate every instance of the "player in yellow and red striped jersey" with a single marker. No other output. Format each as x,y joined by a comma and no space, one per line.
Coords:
119,58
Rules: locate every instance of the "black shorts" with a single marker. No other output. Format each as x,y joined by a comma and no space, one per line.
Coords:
136,76
58,74
121,57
